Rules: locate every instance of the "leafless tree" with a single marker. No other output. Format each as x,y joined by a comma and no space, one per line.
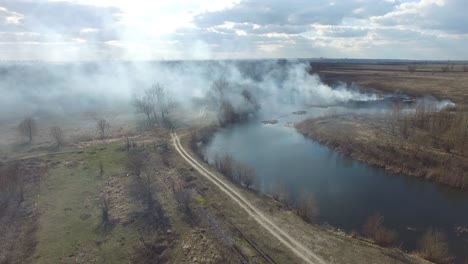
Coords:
280,193
374,228
434,247
146,104
225,165
165,103
306,206
227,114
105,218
156,103
246,174
103,127
28,128
57,136
136,161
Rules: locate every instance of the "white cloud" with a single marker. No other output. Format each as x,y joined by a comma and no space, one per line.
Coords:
178,29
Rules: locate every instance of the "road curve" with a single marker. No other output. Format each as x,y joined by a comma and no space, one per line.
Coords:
289,242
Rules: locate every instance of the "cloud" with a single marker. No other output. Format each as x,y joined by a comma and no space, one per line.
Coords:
180,29
8,17
444,15
299,12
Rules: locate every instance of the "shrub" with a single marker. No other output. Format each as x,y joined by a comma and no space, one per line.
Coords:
433,246
374,229
306,206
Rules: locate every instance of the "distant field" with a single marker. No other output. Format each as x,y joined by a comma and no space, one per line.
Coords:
444,81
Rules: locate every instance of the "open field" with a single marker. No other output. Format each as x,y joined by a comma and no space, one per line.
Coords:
426,79
84,205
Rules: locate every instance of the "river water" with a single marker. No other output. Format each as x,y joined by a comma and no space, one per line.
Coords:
346,191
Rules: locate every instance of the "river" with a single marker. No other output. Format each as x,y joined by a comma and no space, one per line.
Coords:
346,191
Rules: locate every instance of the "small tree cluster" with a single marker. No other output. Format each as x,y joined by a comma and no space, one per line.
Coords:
374,228
200,137
103,127
234,102
104,205
280,193
306,206
136,161
57,136
434,247
235,171
156,104
130,144
28,128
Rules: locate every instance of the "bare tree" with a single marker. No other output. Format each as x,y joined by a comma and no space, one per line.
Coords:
434,247
105,218
280,193
147,104
103,127
156,104
165,103
246,174
374,228
28,128
306,206
227,114
225,165
136,161
56,134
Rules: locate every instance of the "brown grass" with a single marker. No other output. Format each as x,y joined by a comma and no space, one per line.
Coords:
426,152
426,79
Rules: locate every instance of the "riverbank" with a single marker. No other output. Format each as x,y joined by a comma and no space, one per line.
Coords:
369,138
331,245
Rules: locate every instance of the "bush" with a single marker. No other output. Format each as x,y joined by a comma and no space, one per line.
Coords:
434,247
136,161
245,174
374,229
235,171
307,207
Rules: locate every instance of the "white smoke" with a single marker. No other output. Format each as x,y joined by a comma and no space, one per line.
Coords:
70,88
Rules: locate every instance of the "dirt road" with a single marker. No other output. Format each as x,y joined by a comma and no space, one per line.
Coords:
287,240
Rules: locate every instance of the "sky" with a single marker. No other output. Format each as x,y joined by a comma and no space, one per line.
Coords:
82,30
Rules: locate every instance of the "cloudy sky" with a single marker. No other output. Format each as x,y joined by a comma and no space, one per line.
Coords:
64,30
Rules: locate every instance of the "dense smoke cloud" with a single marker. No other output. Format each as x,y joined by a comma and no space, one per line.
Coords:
71,88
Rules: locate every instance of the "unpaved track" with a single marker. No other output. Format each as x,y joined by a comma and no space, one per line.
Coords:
289,242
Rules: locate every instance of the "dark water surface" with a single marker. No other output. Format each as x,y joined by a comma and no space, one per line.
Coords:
347,191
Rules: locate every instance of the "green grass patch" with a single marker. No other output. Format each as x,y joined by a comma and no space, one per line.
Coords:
200,200
70,212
